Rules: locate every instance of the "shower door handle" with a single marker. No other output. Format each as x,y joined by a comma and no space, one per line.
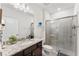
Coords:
74,27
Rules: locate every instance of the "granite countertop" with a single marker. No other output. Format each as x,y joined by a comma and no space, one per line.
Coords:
19,46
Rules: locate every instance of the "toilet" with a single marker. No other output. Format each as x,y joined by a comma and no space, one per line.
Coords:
48,50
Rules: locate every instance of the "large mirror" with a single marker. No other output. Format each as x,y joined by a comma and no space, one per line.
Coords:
17,23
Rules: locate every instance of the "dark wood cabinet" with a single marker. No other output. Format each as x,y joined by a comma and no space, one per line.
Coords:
29,50
34,50
37,51
19,54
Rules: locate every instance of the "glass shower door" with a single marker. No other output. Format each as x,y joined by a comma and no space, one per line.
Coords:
51,34
64,42
60,34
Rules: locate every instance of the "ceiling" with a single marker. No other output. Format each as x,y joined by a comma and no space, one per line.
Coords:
52,7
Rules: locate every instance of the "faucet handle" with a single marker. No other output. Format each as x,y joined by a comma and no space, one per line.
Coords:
58,53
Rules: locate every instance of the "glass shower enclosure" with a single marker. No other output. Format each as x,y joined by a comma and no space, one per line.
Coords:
61,34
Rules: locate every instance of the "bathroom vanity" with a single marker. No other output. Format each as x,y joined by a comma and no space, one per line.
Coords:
24,48
34,50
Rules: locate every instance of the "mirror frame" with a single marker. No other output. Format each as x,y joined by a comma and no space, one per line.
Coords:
0,16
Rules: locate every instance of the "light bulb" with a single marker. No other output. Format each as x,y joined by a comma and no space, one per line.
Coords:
22,7
16,5
58,9
27,7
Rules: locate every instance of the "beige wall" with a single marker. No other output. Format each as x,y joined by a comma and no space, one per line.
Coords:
76,11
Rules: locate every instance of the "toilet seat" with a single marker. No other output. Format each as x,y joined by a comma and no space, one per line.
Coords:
47,48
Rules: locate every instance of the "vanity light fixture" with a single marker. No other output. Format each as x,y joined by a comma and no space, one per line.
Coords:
16,5
27,9
21,6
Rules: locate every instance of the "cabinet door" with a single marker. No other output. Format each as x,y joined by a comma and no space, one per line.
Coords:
37,52
28,51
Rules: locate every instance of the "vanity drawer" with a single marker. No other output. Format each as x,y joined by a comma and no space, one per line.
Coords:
37,52
30,49
33,47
